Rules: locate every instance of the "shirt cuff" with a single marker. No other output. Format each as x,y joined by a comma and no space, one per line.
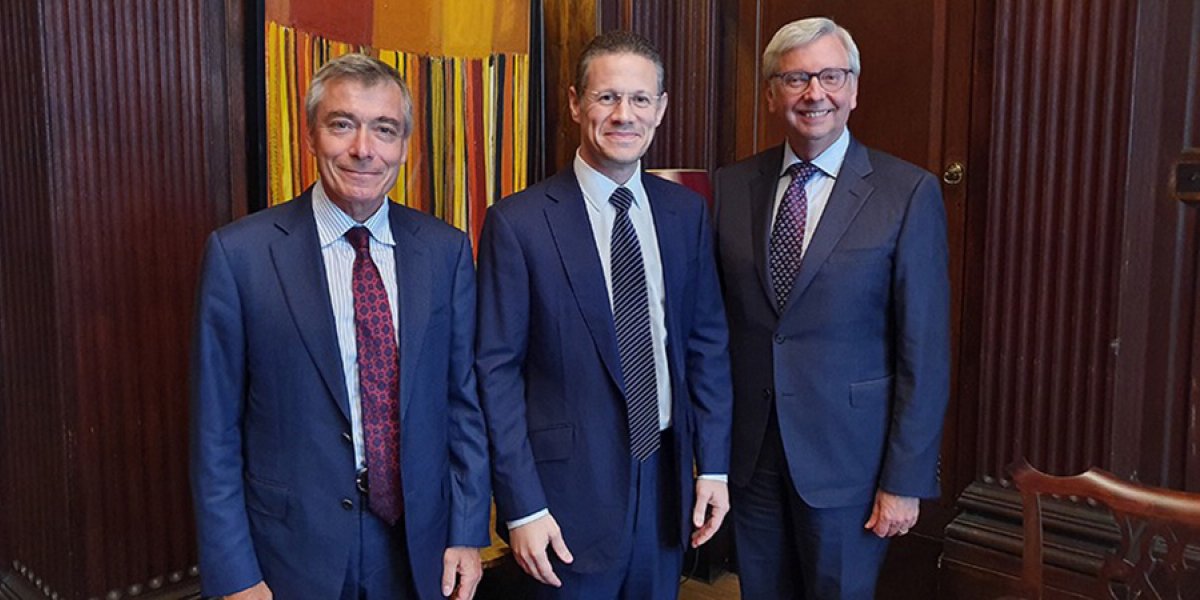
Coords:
527,520
722,477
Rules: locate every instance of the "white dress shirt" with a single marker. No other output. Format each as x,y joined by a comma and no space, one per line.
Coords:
338,254
819,186
597,189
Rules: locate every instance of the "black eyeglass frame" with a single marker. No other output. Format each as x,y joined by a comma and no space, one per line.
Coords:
809,76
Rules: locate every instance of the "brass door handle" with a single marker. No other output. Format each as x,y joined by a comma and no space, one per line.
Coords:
954,173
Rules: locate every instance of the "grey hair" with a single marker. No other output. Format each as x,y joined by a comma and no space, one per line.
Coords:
367,71
803,32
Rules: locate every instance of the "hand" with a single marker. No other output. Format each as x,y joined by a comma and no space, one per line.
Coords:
258,591
712,500
529,543
893,515
461,563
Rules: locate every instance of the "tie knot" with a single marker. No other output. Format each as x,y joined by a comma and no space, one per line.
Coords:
622,198
801,171
359,237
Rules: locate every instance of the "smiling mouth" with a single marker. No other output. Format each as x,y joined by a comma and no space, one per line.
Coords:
813,114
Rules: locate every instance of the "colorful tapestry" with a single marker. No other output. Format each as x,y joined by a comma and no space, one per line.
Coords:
469,141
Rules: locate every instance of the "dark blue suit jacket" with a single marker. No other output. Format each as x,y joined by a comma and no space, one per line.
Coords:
550,374
858,361
272,460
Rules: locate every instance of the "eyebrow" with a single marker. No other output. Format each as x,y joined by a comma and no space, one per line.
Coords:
341,114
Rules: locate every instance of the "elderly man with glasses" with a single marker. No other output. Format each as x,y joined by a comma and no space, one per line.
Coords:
834,270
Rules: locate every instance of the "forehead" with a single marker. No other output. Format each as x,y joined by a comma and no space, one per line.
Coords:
825,51
381,99
625,71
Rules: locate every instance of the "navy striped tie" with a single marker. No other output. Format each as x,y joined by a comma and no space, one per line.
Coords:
631,315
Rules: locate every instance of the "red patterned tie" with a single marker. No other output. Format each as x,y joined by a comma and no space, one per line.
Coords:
379,380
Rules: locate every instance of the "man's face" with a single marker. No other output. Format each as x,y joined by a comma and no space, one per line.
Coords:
815,117
613,138
358,141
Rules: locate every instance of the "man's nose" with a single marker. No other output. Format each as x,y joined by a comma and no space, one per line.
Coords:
360,145
623,110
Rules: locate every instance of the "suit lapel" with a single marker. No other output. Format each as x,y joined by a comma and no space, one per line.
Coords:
413,290
850,192
762,200
573,238
301,270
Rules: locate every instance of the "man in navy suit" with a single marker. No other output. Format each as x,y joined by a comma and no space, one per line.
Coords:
602,352
834,268
338,446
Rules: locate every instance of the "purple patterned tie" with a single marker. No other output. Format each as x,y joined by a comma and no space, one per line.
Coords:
787,238
379,380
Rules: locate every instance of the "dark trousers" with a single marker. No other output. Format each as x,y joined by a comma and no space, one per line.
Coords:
651,557
788,549
378,568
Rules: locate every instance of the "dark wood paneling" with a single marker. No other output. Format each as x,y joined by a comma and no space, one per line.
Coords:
34,478
570,25
1053,234
686,33
123,146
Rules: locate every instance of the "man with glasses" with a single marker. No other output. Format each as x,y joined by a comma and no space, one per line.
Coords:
602,352
834,269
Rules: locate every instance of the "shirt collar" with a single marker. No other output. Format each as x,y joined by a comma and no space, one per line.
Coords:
598,188
829,161
332,223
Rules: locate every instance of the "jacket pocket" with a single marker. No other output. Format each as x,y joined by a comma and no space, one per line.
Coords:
266,498
552,443
871,393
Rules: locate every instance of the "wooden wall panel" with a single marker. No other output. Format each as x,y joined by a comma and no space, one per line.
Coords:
687,34
32,435
1053,235
128,158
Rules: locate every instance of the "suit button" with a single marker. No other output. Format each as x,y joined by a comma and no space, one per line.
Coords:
768,392
346,436
347,504
779,339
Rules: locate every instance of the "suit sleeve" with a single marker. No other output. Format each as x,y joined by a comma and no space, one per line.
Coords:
501,345
470,475
218,382
921,293
708,372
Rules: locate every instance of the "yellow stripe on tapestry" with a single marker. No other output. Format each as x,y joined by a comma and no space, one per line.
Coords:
458,210
470,119
489,127
437,135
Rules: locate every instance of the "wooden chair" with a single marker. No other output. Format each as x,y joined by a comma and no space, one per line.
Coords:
1152,560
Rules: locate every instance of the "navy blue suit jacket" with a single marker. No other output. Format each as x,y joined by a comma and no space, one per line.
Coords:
858,360
271,456
549,371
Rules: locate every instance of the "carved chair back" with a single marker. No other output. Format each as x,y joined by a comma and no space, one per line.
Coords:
1158,555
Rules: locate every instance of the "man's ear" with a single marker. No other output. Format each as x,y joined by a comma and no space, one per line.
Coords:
573,102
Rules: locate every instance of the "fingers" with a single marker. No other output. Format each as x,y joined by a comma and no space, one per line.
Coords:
560,547
701,508
449,572
529,544
467,584
542,570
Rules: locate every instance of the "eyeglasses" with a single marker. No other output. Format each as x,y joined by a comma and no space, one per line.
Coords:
832,79
610,98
